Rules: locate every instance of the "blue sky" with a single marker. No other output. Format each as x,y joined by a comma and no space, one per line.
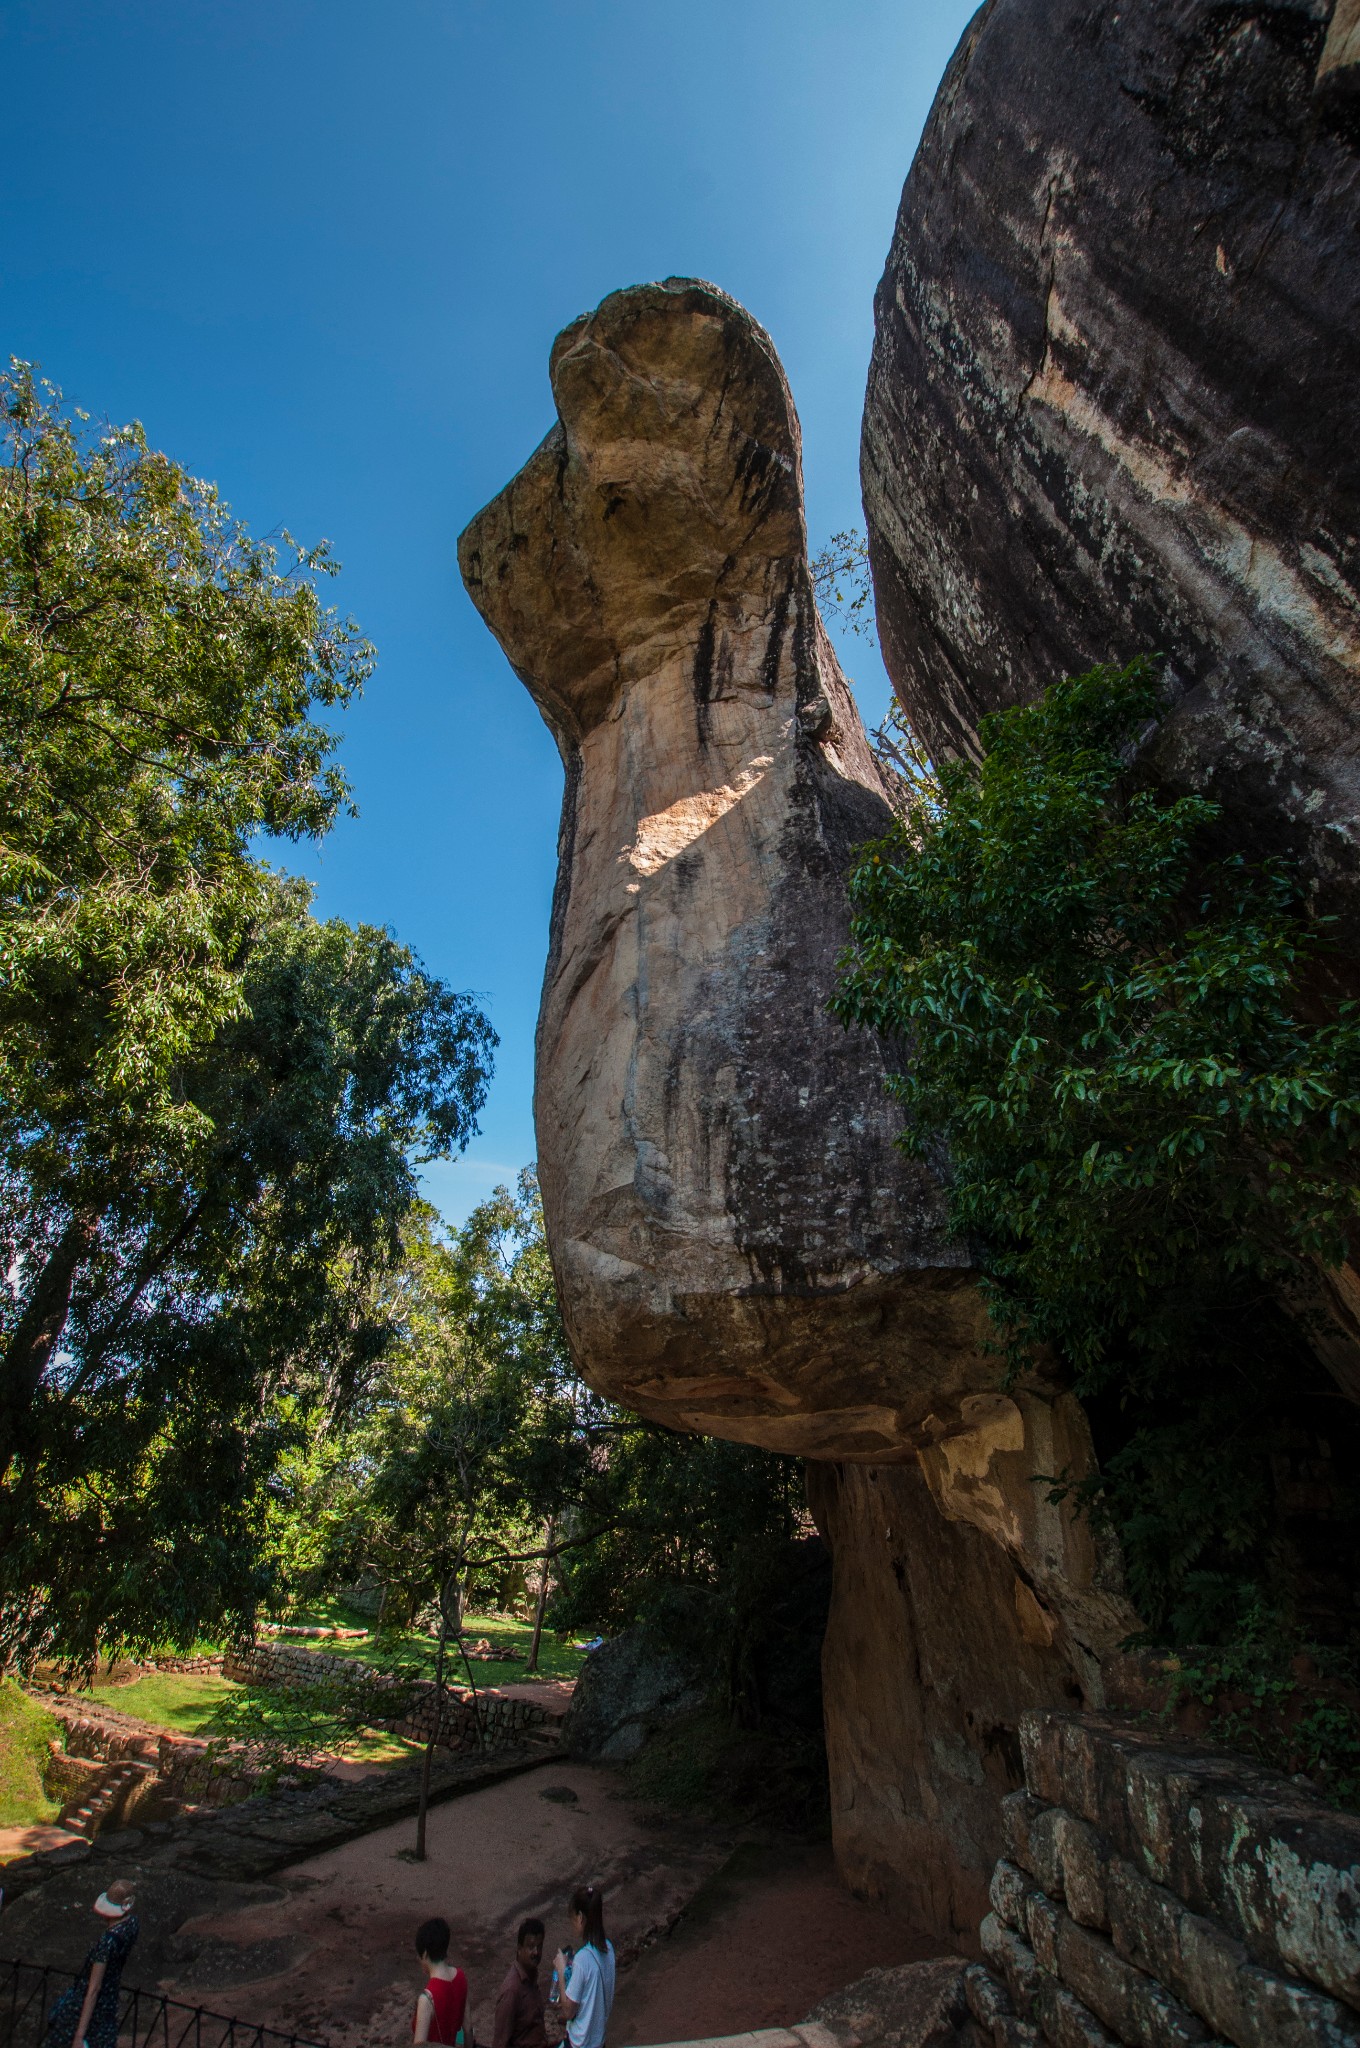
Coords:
321,250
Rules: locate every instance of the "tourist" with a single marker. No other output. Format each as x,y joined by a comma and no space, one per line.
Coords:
443,2001
519,2008
86,2016
586,1993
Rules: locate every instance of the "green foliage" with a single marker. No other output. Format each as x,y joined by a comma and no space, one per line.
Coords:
25,1731
157,674
468,1439
1148,1135
843,582
477,1437
679,1513
1294,1712
211,1106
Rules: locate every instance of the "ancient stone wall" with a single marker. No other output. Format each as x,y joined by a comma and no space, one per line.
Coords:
459,1722
1153,1894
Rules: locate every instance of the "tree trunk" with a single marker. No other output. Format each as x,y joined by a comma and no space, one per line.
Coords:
37,1333
531,1667
448,1591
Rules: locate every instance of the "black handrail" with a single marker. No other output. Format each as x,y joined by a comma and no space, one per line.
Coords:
146,2019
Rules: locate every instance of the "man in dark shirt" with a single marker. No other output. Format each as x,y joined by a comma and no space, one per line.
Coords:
519,2008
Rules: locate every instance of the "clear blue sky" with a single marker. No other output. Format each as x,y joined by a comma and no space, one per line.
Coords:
321,250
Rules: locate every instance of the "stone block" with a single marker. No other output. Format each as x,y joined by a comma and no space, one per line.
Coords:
1019,1811
994,2017
1211,1972
1083,1857
1008,1892
1041,1925
1067,2023
988,2000
914,2005
1012,1959
1276,1867
1132,2004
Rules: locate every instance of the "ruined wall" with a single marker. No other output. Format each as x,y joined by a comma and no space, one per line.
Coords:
458,1721
1155,1894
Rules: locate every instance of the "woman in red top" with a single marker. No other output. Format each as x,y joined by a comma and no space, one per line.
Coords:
442,2004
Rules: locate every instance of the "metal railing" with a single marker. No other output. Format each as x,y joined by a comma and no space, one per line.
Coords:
28,1992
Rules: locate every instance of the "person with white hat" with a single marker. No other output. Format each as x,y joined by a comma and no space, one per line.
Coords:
86,2016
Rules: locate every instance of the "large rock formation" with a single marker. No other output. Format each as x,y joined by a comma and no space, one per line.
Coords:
740,1246
1113,406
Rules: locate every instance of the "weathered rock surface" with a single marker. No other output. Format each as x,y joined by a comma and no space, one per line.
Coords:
739,1245
927,1668
628,1689
1155,1893
914,2005
1113,406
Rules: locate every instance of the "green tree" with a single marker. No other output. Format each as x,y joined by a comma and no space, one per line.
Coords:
472,1432
210,1105
230,1285
1149,1135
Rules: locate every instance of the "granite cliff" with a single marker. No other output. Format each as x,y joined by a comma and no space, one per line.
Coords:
1113,409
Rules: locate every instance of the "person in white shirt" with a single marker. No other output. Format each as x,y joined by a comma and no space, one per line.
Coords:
586,1984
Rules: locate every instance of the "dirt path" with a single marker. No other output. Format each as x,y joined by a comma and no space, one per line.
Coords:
771,1934
330,1953
765,1932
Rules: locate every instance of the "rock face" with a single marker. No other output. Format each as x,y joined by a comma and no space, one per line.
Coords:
628,1689
914,2005
1113,406
931,1657
739,1245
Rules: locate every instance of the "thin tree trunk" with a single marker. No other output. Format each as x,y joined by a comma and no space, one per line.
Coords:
447,1591
531,1668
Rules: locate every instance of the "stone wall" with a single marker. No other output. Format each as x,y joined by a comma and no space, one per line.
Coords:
465,1721
178,1767
1155,1894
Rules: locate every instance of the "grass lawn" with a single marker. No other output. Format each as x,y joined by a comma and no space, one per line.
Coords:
186,1702
183,1701
556,1658
25,1730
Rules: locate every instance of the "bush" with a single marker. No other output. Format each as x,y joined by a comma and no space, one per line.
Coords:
1148,1133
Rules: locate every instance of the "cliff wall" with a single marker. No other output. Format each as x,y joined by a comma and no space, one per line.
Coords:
1113,406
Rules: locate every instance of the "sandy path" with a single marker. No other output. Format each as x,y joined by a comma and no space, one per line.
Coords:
333,1957
769,1936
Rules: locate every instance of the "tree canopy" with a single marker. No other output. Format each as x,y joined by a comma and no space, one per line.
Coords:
211,1105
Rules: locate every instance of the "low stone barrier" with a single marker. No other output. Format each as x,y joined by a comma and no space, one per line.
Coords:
462,1722
183,1767
1156,1895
